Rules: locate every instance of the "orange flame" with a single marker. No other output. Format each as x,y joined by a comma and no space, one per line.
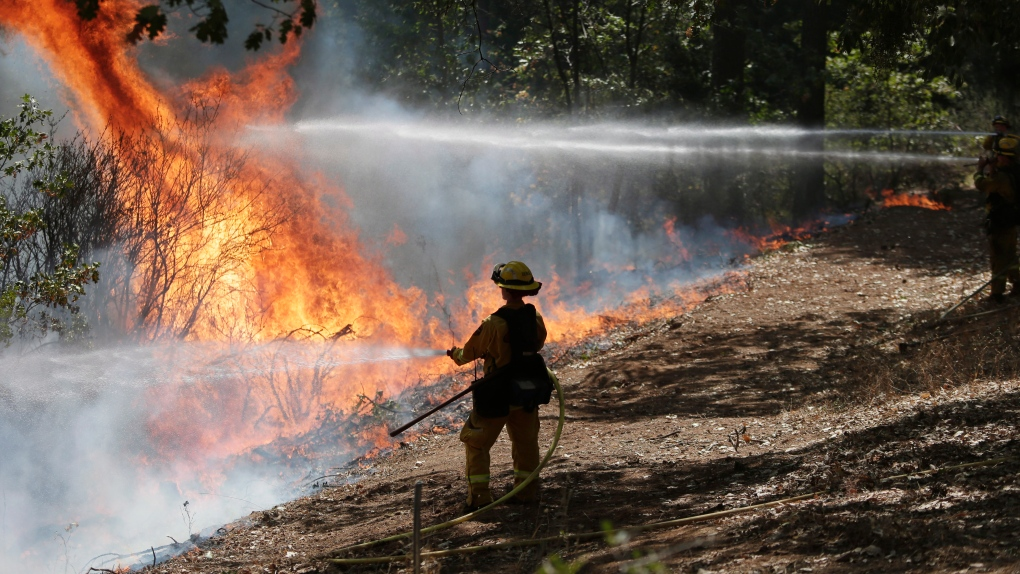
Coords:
891,199
681,252
780,236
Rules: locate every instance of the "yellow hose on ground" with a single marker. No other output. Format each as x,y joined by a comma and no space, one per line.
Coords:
493,504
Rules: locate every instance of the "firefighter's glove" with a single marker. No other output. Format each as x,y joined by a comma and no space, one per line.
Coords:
452,352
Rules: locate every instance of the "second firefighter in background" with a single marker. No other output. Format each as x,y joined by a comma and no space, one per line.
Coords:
508,341
998,181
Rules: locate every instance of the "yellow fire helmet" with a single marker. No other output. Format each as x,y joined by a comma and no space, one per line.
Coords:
515,275
1007,145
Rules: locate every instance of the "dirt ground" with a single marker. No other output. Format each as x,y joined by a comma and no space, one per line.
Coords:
822,372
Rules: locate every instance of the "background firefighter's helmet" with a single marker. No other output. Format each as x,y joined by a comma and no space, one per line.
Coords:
1007,146
999,120
515,275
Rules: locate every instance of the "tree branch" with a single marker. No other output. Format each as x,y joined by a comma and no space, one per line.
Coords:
481,56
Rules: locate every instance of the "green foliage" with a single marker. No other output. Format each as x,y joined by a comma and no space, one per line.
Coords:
556,565
972,42
862,95
14,229
24,148
380,409
213,27
149,20
31,308
34,305
531,57
421,49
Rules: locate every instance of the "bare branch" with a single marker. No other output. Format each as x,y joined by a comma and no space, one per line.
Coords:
481,56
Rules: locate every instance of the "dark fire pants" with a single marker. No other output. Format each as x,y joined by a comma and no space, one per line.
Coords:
1002,245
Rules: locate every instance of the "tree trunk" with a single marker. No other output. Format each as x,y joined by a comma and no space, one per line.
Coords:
809,176
729,42
440,53
728,53
617,189
582,248
557,57
575,51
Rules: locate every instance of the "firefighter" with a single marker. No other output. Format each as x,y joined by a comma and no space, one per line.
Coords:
999,184
1000,127
508,341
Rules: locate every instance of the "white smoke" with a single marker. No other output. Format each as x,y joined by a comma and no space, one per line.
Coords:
23,72
80,477
82,482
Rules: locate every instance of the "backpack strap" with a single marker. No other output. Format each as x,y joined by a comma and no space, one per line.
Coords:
522,330
530,384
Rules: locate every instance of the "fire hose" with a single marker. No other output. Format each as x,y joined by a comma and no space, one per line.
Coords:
443,405
471,515
999,275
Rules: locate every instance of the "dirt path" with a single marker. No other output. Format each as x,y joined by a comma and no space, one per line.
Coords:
820,372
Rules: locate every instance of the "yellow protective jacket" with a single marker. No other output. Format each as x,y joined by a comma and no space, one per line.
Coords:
490,342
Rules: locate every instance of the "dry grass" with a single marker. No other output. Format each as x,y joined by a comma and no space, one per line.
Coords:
982,349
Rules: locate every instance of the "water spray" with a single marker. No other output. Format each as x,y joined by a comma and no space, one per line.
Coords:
356,356
304,356
621,140
381,354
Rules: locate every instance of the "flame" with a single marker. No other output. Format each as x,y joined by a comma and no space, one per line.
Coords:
681,252
396,236
90,58
891,199
779,235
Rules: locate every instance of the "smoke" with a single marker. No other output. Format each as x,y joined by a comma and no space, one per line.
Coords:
84,481
73,430
80,473
23,72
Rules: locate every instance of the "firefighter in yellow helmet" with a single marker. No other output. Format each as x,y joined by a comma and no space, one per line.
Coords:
509,341
999,182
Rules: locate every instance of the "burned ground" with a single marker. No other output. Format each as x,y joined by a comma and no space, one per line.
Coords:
822,369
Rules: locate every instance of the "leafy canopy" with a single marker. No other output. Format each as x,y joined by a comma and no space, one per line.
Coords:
288,17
